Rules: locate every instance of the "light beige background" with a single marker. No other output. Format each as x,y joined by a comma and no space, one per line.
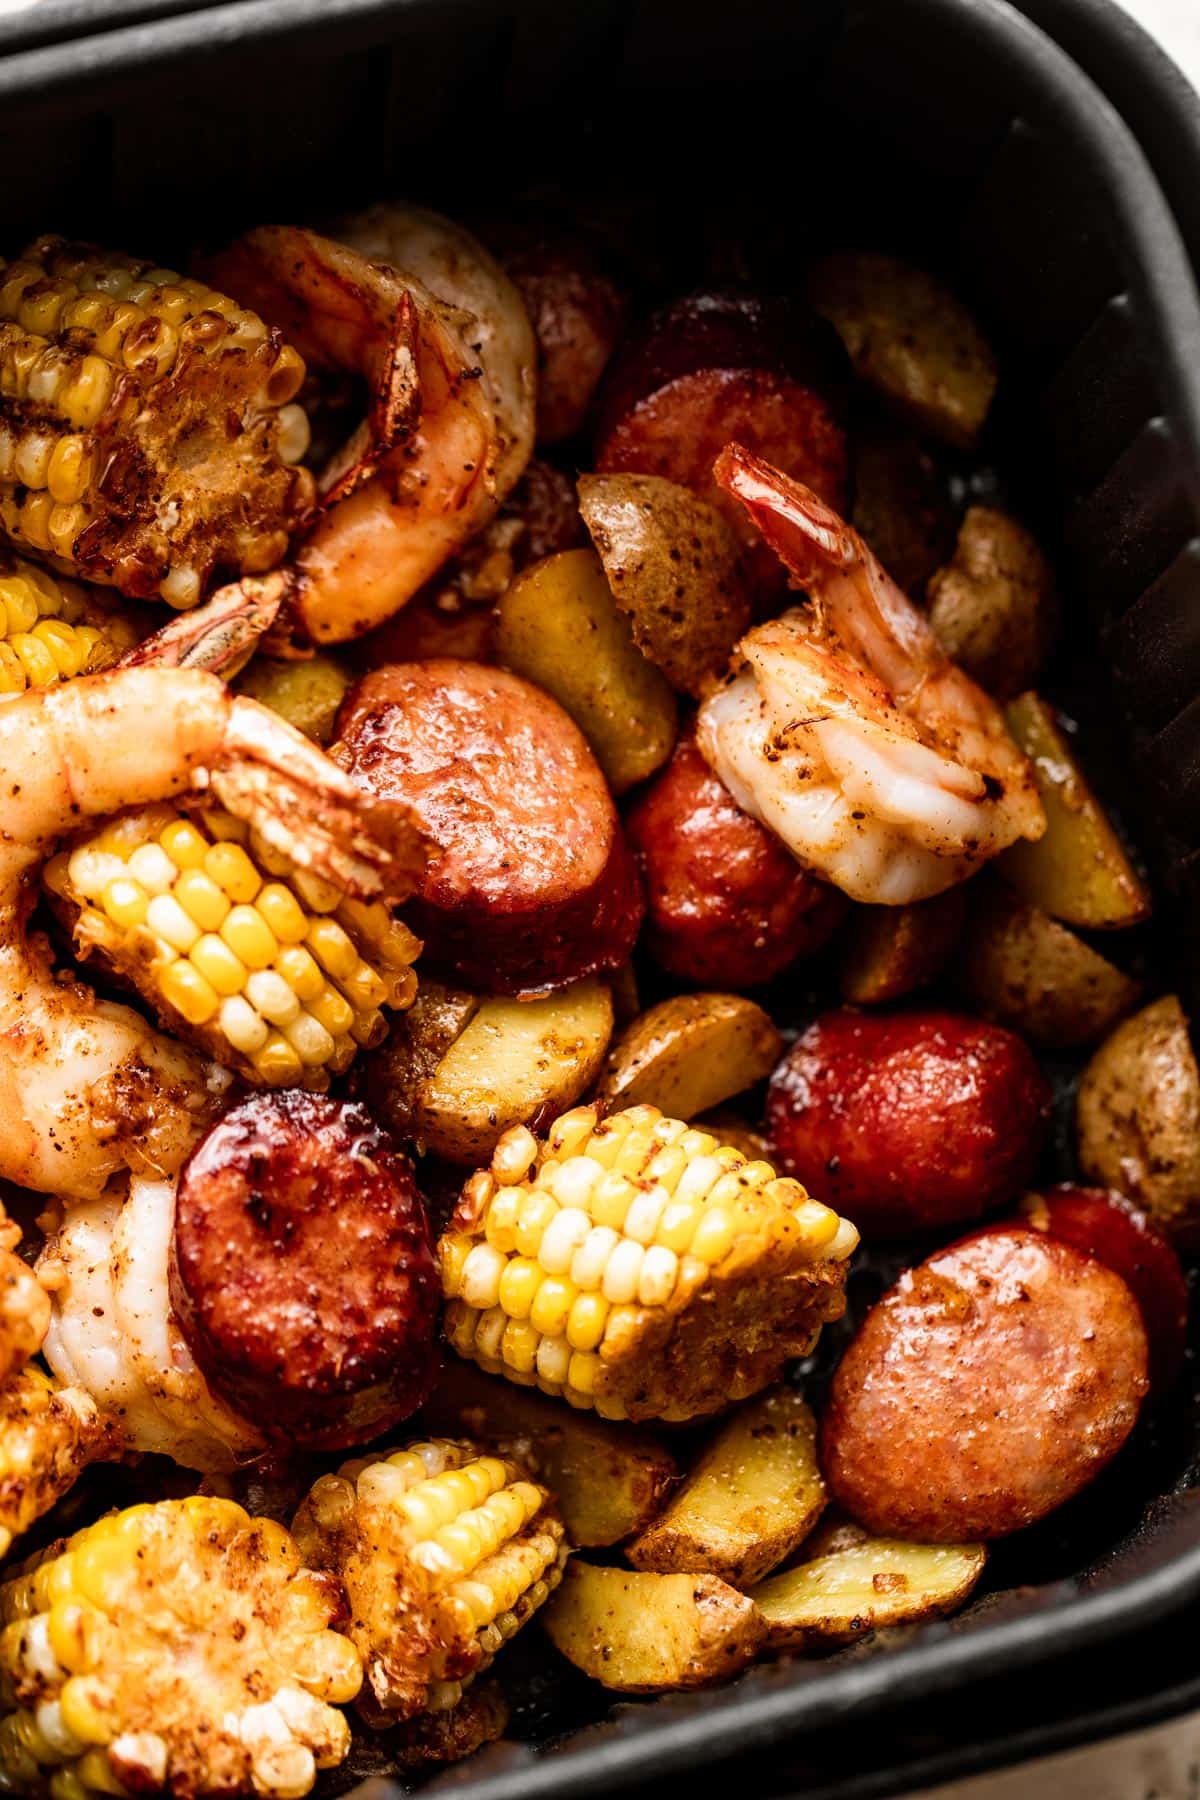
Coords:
1163,1764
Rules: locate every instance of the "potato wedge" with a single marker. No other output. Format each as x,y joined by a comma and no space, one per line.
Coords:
1025,970
1079,871
673,565
888,951
910,339
840,1597
307,694
609,1480
834,1531
559,626
470,1068
1137,1118
690,1053
993,606
755,1494
642,1634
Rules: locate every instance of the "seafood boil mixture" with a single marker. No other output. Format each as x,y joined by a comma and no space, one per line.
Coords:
532,846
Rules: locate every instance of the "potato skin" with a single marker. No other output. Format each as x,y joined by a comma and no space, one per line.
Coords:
725,901
1138,1118
1117,1233
986,1388
993,606
909,1120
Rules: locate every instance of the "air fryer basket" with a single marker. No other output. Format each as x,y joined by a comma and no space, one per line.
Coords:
952,129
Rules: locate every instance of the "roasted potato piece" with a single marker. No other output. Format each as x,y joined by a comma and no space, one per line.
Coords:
753,1496
993,606
1138,1118
468,1069
640,1634
690,1053
901,507
559,626
842,1596
1025,970
673,565
910,339
307,693
479,1718
891,950
609,1479
1079,871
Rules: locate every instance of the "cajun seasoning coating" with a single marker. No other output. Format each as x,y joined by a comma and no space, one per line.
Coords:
726,903
534,886
302,1270
908,1121
988,1386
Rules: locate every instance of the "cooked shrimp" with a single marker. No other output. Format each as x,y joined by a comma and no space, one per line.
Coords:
847,731
87,1087
448,354
24,1304
113,1334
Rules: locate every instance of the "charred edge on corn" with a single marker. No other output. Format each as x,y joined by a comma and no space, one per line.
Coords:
270,968
444,1553
177,1645
52,629
48,1436
638,1266
112,372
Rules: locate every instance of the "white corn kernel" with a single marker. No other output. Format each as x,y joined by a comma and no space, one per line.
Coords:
242,1026
591,1259
151,865
166,917
480,1281
641,1221
656,1282
621,1276
561,1238
270,995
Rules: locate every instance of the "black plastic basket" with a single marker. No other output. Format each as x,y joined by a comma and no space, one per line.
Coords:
955,129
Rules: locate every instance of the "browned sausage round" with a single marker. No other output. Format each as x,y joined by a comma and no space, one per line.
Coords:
302,1270
989,1386
726,903
533,885
576,313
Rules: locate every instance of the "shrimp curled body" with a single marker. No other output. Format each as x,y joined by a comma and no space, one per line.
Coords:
89,1089
847,730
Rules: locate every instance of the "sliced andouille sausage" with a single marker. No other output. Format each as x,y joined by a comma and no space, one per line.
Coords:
302,1270
726,903
1111,1228
908,1120
534,885
989,1386
714,369
577,313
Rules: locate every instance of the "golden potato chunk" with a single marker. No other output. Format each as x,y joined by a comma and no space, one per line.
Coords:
891,950
690,1053
642,1634
993,607
842,1596
755,1494
305,693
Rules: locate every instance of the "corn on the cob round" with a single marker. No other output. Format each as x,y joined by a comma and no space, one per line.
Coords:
181,1646
147,424
638,1266
269,968
444,1552
48,1436
52,629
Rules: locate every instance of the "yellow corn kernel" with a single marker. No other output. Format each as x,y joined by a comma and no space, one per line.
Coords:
187,849
20,604
218,964
41,669
332,1011
519,1282
126,902
332,947
552,1306
249,936
586,1321
277,1063
714,1235
282,912
185,988
533,1219
199,895
233,872
12,671
69,474
88,394
301,972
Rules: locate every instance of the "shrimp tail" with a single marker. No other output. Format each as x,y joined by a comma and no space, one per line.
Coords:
808,537
370,848
221,635
395,410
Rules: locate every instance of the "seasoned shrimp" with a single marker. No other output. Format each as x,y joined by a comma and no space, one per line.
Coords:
846,729
113,1334
87,1087
447,350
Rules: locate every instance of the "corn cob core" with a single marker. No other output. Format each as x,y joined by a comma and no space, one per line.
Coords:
146,426
444,1553
48,1435
638,1266
52,629
269,968
180,1645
